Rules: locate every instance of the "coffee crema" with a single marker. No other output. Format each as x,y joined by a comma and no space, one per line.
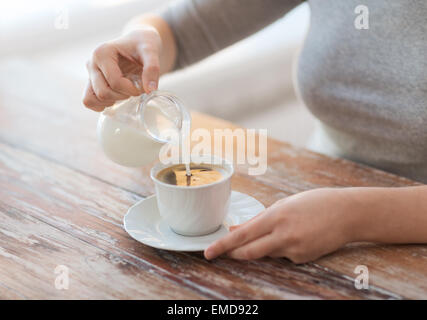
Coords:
201,174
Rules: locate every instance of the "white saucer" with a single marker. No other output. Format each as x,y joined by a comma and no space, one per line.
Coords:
144,224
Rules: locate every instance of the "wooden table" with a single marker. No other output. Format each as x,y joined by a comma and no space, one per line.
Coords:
62,203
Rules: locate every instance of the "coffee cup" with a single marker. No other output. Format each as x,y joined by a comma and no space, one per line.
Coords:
194,210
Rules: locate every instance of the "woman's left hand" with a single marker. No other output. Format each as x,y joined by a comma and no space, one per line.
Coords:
302,227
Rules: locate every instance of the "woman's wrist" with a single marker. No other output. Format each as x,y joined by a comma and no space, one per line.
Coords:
355,213
364,212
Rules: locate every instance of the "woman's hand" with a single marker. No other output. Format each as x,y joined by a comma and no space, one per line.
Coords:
302,227
115,62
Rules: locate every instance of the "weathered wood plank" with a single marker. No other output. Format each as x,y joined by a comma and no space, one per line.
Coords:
92,211
30,250
7,293
398,268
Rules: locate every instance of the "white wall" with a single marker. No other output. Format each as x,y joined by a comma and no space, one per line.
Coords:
36,25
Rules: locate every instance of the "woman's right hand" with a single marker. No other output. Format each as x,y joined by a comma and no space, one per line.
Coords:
114,63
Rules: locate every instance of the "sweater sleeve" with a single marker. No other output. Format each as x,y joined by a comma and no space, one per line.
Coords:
203,27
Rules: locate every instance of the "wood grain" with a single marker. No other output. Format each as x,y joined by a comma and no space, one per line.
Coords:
31,249
48,192
54,176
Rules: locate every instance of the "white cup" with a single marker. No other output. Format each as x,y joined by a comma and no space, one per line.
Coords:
194,210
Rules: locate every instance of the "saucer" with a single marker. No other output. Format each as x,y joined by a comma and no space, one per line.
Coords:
144,224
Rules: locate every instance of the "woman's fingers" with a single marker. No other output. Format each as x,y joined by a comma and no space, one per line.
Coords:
149,55
277,253
107,63
112,64
255,249
101,88
232,228
242,235
91,101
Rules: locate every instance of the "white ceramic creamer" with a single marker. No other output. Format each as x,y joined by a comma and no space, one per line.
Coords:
130,132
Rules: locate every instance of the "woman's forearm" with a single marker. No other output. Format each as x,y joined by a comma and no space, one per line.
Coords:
389,215
169,49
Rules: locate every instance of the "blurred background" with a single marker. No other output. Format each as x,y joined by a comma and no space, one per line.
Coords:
249,83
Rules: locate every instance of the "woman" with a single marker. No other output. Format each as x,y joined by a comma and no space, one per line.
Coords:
367,86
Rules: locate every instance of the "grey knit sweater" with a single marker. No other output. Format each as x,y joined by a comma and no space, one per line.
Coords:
367,87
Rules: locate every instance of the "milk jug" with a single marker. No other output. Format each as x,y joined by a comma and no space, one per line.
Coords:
131,131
